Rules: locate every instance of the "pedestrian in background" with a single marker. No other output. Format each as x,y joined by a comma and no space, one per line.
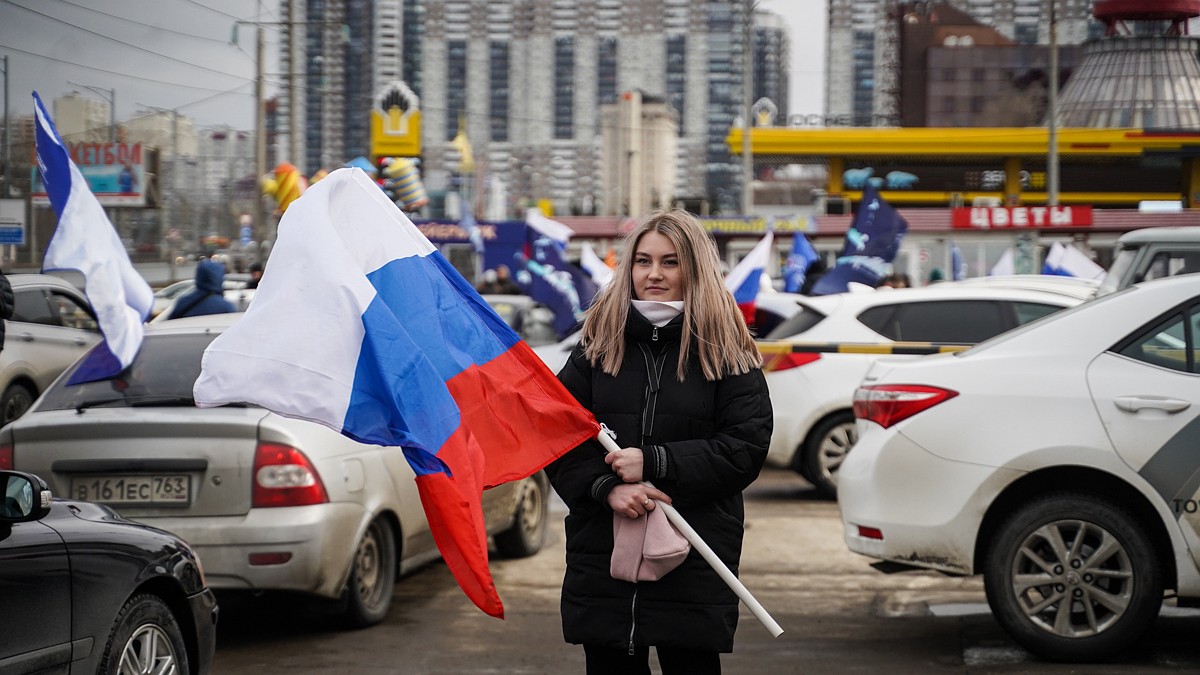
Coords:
208,297
667,363
256,272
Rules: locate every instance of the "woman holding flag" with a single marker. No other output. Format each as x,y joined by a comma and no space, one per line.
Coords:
667,363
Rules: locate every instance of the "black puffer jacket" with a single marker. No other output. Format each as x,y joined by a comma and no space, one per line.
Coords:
704,443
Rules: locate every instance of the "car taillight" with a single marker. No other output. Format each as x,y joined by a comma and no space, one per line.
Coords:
887,404
6,457
773,363
283,476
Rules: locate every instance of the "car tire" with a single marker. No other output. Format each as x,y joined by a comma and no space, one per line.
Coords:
1061,539
826,449
145,638
528,531
368,593
14,402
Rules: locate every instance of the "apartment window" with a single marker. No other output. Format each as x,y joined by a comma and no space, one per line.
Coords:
676,75
456,85
564,87
606,70
498,101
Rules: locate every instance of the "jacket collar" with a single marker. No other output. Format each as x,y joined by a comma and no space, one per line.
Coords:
638,328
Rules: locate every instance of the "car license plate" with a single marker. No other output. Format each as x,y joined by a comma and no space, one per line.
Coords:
133,489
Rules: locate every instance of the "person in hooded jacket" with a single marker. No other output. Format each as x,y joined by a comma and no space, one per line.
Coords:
7,304
666,362
208,297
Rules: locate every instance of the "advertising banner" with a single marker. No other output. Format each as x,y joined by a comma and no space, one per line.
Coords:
115,173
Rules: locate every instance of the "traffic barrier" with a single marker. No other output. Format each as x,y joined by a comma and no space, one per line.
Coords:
776,347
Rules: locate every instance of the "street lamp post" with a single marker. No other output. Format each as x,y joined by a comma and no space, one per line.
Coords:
747,103
260,126
173,195
1052,113
111,96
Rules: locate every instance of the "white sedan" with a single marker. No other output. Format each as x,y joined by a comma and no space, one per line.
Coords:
812,391
1059,460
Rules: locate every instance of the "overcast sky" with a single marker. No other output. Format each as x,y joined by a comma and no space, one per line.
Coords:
176,54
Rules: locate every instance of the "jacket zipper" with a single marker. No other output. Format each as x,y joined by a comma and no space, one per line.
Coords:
654,366
633,621
654,335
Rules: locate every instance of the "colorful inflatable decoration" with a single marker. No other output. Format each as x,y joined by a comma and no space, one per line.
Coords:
285,184
402,181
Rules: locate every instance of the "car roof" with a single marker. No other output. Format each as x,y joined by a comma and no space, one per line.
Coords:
33,279
1173,234
1075,286
949,290
195,324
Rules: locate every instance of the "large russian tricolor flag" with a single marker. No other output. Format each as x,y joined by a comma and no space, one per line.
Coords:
360,324
85,241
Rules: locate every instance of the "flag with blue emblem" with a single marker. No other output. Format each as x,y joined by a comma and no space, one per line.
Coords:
802,256
870,246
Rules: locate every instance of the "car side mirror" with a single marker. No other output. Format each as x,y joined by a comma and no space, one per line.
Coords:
25,497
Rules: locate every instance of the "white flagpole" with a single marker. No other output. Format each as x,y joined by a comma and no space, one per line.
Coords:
707,553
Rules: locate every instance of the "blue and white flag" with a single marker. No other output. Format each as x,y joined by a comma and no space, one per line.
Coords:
85,241
591,263
1069,261
870,247
803,255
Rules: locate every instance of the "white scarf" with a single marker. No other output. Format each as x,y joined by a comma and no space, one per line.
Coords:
659,313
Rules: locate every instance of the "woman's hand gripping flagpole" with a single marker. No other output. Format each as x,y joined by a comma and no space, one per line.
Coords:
706,551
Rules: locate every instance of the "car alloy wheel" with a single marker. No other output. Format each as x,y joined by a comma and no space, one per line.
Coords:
145,640
1072,578
148,651
826,449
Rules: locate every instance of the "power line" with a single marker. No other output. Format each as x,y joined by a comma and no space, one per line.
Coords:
147,25
113,72
122,42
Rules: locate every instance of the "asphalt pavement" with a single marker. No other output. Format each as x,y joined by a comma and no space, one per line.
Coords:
839,615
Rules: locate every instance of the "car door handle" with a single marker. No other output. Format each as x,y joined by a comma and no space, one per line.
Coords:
80,342
26,337
1135,403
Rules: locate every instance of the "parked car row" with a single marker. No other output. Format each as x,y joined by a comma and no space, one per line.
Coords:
812,391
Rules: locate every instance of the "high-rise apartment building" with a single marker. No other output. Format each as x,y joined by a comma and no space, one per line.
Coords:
526,79
862,83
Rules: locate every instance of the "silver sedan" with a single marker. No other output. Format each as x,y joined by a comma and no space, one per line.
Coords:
268,502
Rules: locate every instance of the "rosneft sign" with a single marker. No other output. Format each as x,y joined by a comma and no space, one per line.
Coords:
396,122
1001,217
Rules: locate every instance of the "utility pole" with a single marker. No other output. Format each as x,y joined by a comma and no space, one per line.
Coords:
293,117
7,156
747,103
1052,114
260,138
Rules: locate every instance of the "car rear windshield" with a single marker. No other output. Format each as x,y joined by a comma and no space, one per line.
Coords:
162,374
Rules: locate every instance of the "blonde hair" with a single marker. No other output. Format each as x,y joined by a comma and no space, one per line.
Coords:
714,329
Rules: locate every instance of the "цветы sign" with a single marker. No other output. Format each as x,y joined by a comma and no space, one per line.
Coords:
988,217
